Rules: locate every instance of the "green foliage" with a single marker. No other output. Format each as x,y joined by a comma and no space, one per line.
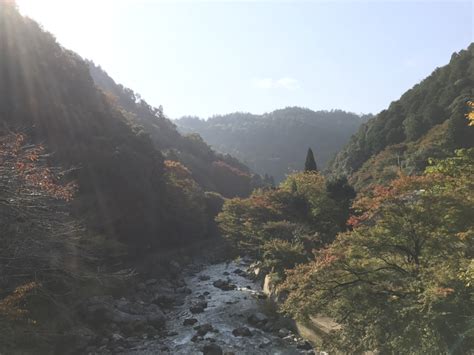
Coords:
273,143
310,163
401,280
282,226
339,189
401,137
279,255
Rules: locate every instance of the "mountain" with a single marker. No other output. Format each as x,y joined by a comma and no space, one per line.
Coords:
139,181
276,143
212,171
428,121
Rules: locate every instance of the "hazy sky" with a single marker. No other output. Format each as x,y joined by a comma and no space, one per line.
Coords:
204,58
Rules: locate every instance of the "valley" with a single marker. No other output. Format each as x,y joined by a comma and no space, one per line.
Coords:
292,231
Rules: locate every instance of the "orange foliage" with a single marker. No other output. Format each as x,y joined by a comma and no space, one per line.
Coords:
224,166
10,306
326,257
370,202
470,115
444,291
24,160
177,169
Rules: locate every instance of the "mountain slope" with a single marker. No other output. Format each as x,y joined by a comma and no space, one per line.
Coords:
276,143
212,171
127,189
427,121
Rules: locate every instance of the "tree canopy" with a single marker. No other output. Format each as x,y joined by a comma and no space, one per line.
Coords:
427,121
403,277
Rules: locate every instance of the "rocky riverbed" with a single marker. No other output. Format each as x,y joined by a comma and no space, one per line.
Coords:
206,309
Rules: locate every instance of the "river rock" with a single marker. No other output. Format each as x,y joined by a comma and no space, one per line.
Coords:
198,307
164,300
116,337
240,272
184,289
224,285
204,277
203,329
242,332
150,282
100,310
283,332
257,319
190,321
212,349
264,344
304,345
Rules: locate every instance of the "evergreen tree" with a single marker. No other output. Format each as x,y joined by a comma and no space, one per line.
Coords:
310,164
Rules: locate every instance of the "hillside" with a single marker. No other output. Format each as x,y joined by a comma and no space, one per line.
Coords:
427,121
138,178
275,143
212,171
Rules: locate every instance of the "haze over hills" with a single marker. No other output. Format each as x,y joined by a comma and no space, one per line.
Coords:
275,143
120,235
221,173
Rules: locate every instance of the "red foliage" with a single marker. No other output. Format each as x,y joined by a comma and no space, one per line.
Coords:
224,166
366,205
177,169
24,159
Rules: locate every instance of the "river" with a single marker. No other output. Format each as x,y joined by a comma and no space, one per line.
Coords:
217,312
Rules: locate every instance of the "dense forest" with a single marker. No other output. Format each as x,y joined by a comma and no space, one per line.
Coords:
99,190
398,276
426,122
390,267
273,143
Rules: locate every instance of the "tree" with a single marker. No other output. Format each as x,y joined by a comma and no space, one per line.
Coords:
342,193
402,279
310,164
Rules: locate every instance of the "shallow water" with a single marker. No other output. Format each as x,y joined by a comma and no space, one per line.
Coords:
226,311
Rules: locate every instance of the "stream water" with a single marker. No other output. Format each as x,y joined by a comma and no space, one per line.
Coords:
225,311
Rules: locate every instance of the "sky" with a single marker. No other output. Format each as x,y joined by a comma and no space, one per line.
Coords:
204,58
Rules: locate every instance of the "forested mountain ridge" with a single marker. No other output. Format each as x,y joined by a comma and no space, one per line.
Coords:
138,178
212,171
273,143
427,121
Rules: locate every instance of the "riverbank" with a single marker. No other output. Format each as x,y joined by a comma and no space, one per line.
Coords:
206,308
